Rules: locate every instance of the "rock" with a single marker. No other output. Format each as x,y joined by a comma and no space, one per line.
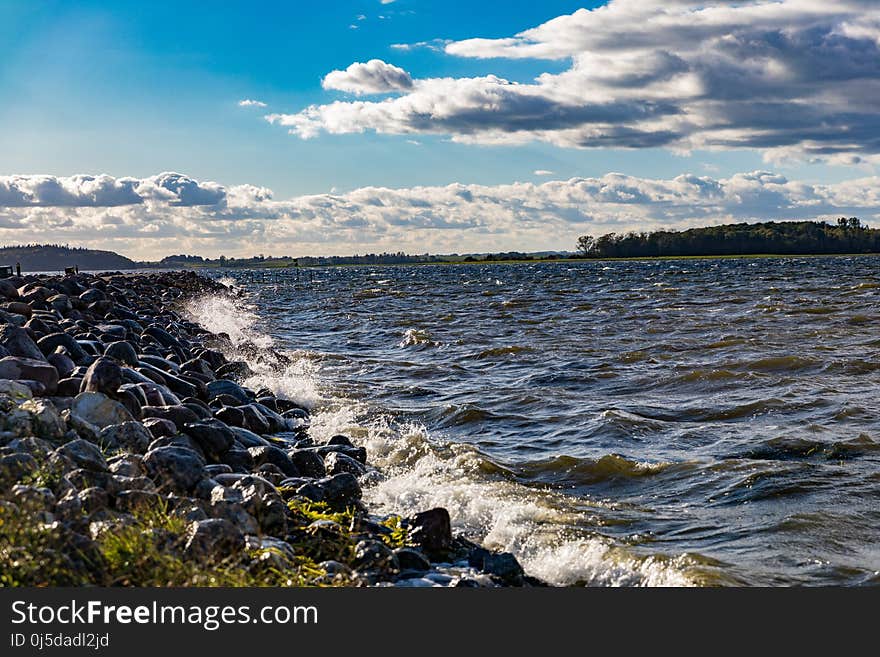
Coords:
502,565
93,499
177,467
410,559
84,454
45,419
339,491
234,512
247,438
180,415
99,410
18,343
15,467
133,499
162,336
239,460
238,369
123,352
127,465
214,539
336,462
49,343
128,437
339,439
432,530
13,319
308,463
254,420
159,427
61,303
69,387
14,389
214,437
227,387
104,375
62,363
375,556
8,290
92,294
19,367
275,456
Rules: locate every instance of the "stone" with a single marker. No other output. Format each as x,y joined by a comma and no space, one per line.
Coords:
275,456
214,539
174,466
15,467
123,352
61,303
49,343
99,410
339,439
84,454
127,437
336,462
159,427
132,499
45,419
238,459
410,559
127,465
18,343
432,530
339,491
234,512
375,556
247,438
19,367
308,463
503,565
104,375
63,364
14,389
69,387
238,369
227,387
180,415
8,290
93,499
214,437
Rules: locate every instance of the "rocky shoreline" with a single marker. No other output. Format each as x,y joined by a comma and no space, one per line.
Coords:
132,454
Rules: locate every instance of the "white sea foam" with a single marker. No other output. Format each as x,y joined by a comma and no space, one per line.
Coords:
416,473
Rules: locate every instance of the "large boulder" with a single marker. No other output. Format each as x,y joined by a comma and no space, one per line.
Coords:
214,539
176,467
128,437
84,454
432,530
123,352
104,375
51,342
214,437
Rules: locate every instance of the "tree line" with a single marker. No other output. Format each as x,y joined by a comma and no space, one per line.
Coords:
847,235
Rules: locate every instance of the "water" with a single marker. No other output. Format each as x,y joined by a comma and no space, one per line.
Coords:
687,422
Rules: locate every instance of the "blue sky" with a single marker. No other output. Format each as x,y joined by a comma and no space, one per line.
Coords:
133,89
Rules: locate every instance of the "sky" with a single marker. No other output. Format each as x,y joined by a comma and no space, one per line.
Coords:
294,128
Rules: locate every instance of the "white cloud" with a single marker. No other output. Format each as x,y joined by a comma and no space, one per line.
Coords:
542,172
794,78
372,77
173,213
249,102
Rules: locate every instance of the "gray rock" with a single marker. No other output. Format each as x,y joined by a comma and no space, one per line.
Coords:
127,465
275,456
128,437
180,415
227,387
214,539
502,565
159,427
410,559
19,367
308,463
214,437
84,454
99,410
176,467
132,499
18,343
123,352
104,375
62,363
14,467
375,556
49,343
336,462
339,491
432,530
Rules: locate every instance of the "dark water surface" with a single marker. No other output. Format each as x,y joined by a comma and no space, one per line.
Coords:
632,423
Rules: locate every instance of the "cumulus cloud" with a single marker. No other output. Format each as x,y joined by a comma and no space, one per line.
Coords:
791,77
172,213
250,102
372,77
542,172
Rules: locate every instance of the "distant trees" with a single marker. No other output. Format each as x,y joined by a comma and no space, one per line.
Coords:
849,235
55,257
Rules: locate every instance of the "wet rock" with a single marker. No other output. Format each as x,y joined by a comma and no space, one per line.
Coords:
253,420
123,352
214,539
339,491
275,456
99,410
336,462
68,387
339,439
410,559
128,437
84,454
375,556
214,437
308,463
104,375
177,467
236,369
19,367
227,387
247,438
18,343
432,530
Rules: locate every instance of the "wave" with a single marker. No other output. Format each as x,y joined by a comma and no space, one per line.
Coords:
572,471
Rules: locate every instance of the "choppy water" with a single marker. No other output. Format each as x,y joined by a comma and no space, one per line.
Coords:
612,423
